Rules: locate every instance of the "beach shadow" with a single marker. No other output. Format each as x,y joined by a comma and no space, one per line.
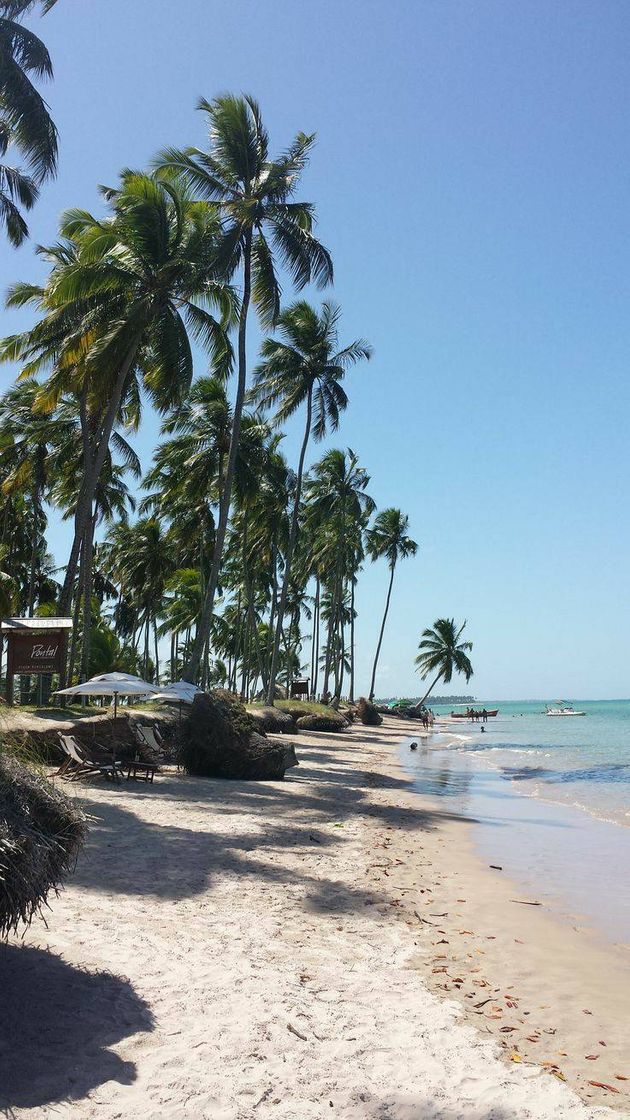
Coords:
58,1022
130,855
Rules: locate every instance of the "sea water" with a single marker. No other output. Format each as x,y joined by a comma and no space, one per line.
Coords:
551,800
581,760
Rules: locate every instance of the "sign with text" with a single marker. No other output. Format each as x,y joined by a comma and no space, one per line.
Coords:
36,652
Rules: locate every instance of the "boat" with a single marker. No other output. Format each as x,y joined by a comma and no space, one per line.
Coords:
475,713
563,710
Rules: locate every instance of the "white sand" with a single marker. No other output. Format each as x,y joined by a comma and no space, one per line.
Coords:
219,954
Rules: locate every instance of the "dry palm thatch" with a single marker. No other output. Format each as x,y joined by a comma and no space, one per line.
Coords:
41,832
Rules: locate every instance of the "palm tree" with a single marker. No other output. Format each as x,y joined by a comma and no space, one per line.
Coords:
24,117
337,504
388,537
440,648
260,223
122,297
304,367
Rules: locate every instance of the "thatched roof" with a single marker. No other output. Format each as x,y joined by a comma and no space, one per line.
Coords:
41,832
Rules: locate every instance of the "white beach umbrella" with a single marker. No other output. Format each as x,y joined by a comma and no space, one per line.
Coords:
180,692
111,684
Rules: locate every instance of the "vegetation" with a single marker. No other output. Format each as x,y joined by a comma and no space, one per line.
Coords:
41,832
243,565
387,537
220,739
25,123
441,649
367,713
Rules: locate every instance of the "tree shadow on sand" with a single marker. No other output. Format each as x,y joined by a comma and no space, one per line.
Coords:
58,1022
311,811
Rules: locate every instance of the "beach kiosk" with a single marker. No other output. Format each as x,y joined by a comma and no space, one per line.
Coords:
34,646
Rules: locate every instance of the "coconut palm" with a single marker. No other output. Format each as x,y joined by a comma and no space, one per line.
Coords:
304,367
336,505
261,225
387,537
440,648
123,296
24,118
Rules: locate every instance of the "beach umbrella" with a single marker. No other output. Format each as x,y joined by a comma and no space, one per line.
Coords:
111,684
180,692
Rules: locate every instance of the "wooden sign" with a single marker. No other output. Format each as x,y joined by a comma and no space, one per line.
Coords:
299,688
36,652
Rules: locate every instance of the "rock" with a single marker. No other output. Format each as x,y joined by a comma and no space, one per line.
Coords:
273,719
319,721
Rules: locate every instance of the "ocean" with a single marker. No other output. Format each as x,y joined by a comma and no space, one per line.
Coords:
549,798
582,761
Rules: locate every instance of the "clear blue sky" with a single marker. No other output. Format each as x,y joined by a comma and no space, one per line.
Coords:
472,180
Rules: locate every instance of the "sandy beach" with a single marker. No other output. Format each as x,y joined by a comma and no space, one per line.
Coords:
329,945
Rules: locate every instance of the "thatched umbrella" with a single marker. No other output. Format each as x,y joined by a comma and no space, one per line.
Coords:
41,832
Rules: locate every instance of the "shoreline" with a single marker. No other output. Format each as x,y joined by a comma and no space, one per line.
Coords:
230,954
538,948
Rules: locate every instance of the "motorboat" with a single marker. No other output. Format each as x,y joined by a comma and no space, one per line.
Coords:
563,710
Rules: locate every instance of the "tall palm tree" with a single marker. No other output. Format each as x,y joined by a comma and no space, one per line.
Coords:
24,117
261,224
304,367
337,502
123,296
440,648
388,537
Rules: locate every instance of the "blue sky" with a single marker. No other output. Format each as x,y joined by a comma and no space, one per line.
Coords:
471,178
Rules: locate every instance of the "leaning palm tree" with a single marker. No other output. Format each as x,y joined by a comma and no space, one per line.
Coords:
304,367
261,224
24,118
388,537
440,648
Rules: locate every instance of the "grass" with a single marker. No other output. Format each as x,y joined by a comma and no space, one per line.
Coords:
304,707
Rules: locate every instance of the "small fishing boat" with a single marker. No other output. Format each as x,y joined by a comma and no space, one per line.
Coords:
562,710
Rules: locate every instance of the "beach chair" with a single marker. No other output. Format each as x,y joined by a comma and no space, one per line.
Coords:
70,764
86,763
148,747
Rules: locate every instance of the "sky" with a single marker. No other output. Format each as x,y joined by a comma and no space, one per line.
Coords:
471,178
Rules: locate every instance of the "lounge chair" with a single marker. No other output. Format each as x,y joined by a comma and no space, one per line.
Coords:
82,763
149,749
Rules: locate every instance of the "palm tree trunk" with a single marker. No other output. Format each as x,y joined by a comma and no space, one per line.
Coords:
430,690
88,554
380,637
92,466
315,641
155,646
351,694
203,627
35,538
293,533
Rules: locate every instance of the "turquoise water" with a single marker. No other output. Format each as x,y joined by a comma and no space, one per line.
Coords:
583,762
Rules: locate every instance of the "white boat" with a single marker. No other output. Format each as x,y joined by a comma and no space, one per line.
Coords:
563,710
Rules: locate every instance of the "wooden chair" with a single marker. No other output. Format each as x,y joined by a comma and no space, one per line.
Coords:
83,763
